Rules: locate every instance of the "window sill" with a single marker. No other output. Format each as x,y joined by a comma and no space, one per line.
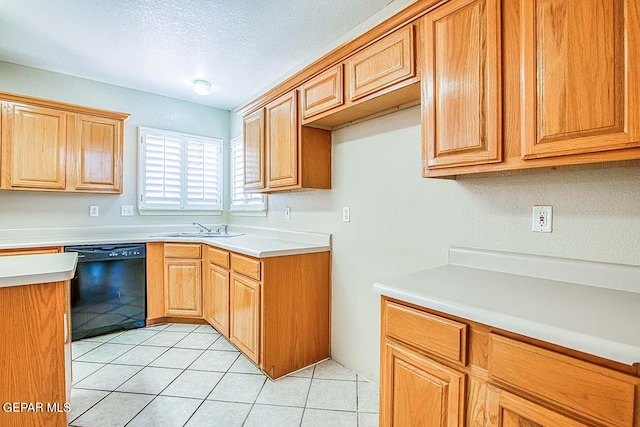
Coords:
159,212
248,213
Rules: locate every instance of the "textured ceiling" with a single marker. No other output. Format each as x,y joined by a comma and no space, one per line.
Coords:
161,46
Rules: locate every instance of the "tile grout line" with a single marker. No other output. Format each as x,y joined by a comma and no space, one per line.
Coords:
306,399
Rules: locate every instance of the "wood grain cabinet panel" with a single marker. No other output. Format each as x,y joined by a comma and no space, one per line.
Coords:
97,153
245,316
579,386
183,287
246,266
507,410
254,156
35,356
215,296
417,391
322,92
282,141
34,141
382,64
580,72
462,95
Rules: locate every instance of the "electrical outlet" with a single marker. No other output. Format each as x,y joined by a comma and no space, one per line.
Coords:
346,214
94,210
542,219
126,210
287,213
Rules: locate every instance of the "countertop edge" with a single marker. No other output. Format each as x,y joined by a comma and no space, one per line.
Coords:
618,352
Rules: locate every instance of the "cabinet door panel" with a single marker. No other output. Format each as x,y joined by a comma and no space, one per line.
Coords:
254,150
216,298
507,410
580,76
245,316
35,144
384,63
183,287
323,92
97,154
282,141
417,391
462,86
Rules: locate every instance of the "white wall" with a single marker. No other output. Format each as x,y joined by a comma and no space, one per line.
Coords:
23,209
401,222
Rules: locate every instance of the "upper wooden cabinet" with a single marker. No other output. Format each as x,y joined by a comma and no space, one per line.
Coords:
254,151
580,73
282,141
97,153
293,156
34,141
322,92
384,63
53,146
462,104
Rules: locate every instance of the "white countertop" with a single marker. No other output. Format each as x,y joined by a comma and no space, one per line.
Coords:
34,269
600,318
255,242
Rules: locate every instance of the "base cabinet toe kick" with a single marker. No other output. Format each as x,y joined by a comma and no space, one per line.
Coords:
441,370
275,310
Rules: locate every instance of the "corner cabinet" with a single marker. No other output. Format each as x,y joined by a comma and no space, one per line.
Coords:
438,370
50,146
276,310
282,155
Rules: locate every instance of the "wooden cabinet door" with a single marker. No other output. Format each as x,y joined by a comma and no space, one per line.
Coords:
215,289
417,391
245,316
322,92
34,141
254,161
504,409
462,84
282,141
183,287
383,64
96,154
580,72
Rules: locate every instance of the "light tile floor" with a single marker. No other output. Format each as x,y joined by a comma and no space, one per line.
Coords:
175,375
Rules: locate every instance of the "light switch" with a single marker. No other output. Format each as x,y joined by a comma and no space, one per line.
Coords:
94,210
126,210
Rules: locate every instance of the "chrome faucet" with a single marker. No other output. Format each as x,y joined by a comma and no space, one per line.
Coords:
202,228
224,228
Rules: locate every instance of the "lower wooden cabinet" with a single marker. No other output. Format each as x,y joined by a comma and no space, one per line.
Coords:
183,287
505,380
36,353
508,410
276,310
418,391
245,315
215,297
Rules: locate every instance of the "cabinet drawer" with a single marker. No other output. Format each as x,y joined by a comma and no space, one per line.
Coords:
322,93
181,250
588,389
432,333
246,266
218,257
30,251
384,63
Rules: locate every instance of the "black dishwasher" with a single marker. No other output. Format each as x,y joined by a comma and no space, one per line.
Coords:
108,292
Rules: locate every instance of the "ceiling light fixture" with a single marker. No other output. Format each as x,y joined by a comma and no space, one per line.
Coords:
201,87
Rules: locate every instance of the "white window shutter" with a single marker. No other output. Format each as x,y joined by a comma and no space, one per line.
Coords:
161,174
241,201
179,172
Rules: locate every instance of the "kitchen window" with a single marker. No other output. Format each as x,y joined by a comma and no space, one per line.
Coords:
241,202
179,172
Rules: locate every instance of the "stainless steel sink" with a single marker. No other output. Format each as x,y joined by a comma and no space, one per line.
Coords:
196,234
